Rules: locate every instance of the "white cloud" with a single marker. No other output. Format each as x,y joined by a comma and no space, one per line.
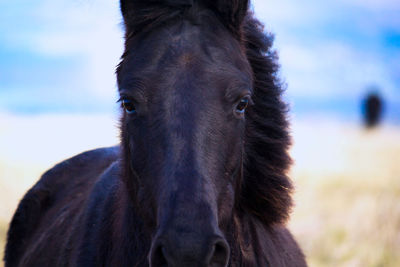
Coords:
334,70
376,5
333,48
88,29
291,12
61,136
313,65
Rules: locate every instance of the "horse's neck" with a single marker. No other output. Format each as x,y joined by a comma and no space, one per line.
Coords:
129,234
243,241
255,244
261,245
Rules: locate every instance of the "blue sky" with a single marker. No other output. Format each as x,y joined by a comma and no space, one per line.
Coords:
60,55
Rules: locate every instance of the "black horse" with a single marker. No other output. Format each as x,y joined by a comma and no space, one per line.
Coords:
199,178
372,107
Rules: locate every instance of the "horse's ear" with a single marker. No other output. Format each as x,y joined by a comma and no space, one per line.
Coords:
232,12
125,6
130,8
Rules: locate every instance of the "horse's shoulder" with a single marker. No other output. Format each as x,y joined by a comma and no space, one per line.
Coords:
97,159
75,172
105,207
63,180
106,186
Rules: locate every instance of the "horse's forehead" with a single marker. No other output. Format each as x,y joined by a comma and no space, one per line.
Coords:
185,59
173,56
184,41
184,47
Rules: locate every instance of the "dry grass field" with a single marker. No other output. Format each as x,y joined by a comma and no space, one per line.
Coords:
347,182
348,194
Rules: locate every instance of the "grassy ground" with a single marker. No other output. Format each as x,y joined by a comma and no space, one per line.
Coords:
347,209
14,181
3,231
347,188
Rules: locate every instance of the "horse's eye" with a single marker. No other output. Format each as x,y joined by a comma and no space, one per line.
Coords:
129,106
242,105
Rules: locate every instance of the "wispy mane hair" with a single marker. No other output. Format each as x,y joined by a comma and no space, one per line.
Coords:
266,188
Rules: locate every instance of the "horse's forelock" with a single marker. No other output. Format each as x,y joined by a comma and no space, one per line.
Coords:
232,12
141,14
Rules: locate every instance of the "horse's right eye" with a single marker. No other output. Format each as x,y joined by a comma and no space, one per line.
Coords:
242,105
129,106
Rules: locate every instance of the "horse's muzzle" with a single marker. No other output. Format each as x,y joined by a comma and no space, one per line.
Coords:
183,249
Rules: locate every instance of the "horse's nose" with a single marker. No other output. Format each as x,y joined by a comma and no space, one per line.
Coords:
174,251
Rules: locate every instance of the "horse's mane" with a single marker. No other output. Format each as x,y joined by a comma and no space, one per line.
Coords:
265,187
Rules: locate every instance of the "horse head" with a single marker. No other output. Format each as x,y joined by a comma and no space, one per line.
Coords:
194,127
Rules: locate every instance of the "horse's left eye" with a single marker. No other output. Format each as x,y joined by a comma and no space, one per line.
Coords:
129,106
242,105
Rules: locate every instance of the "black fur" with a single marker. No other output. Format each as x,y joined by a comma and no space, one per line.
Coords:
187,167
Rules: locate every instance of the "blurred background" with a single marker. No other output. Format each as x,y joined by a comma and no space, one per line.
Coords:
58,98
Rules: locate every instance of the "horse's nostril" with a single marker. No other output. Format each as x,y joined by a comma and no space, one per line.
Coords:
219,254
158,258
194,252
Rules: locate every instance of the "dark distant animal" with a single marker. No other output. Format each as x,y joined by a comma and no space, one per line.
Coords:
372,110
199,178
